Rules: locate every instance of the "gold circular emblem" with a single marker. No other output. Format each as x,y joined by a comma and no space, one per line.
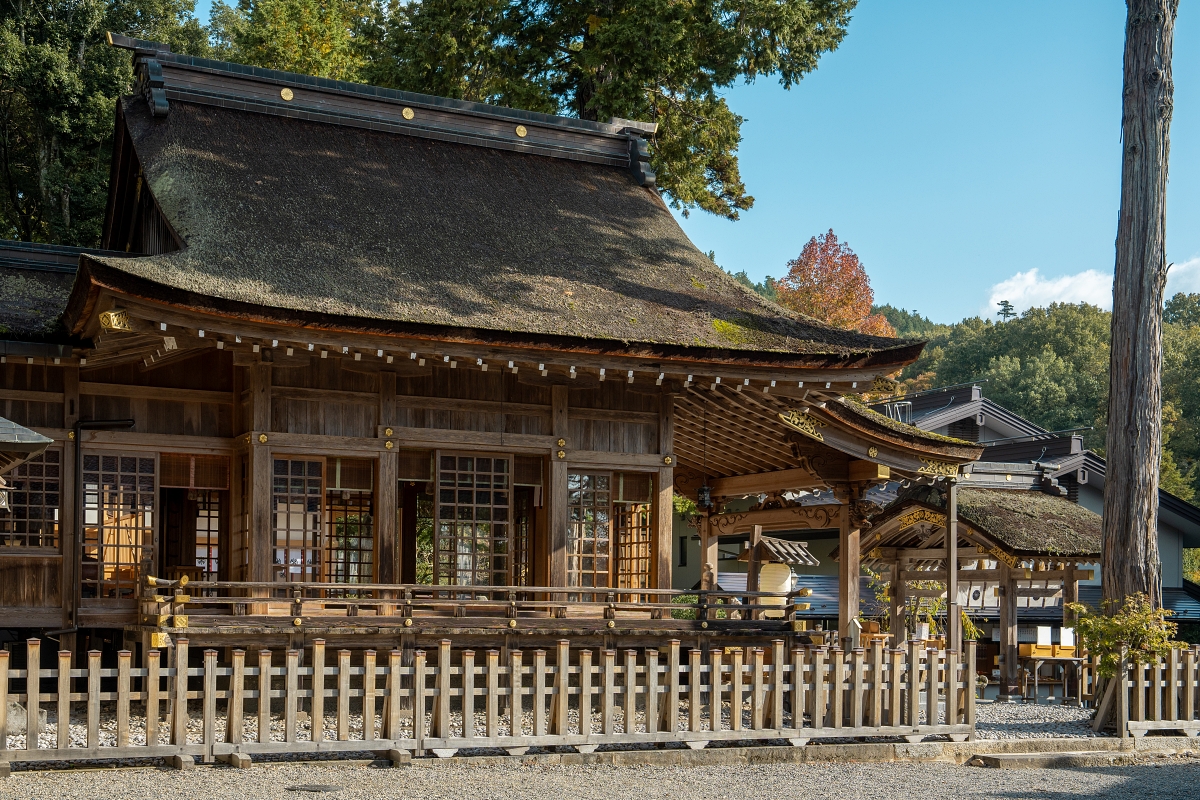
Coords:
612,624
512,623
668,461
389,445
521,131
262,438
286,94
703,624
408,623
296,622
387,431
562,454
562,442
873,452
408,113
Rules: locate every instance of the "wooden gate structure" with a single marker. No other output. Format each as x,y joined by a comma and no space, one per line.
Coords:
380,369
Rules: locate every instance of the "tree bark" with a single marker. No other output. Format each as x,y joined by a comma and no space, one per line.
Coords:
1131,562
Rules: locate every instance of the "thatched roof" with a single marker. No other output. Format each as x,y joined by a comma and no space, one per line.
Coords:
1026,522
18,444
302,216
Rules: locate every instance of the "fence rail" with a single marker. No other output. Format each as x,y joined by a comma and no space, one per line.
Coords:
268,702
1160,696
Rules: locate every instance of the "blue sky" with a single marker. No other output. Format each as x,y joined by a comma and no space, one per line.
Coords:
968,152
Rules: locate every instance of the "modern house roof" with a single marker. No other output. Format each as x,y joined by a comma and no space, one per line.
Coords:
317,202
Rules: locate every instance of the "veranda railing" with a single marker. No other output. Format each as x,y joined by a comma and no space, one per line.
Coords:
268,702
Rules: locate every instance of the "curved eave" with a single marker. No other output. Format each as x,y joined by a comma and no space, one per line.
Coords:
95,277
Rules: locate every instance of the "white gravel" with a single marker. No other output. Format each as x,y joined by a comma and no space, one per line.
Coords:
1165,779
1029,721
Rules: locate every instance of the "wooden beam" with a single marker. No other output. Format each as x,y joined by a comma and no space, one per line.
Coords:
867,471
154,393
774,519
31,396
769,482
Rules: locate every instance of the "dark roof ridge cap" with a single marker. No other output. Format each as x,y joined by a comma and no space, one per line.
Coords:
617,128
56,249
113,278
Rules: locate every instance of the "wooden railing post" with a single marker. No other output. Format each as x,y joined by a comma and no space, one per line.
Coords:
820,692
970,692
562,688
153,696
468,694
913,684
124,664
757,689
799,695
209,703
609,679
857,688
234,728
876,699
93,699
1172,687
392,726
264,696
896,688
629,692
179,713
370,691
951,683
931,686
652,690
1189,684
837,708
715,689
585,692
4,655
736,699
492,700
291,695
441,721
317,715
343,695
539,692
695,703
64,699
33,694
419,701
778,667
516,721
1122,690
669,708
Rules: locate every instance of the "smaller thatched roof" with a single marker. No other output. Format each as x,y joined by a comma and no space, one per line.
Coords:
19,444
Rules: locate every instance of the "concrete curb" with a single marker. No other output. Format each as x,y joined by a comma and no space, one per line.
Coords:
1129,750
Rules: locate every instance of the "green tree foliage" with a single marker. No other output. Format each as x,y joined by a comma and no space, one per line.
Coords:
1137,626
665,62
909,324
59,82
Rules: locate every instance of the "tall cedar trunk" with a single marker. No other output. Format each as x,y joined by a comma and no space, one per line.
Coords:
1131,563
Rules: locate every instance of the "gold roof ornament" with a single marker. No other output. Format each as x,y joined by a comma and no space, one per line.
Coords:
803,423
521,131
931,466
115,320
408,113
286,93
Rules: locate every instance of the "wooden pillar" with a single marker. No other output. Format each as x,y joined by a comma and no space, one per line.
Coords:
1070,594
709,555
386,538
849,565
953,611
899,592
69,499
258,541
664,508
556,501
753,567
1008,634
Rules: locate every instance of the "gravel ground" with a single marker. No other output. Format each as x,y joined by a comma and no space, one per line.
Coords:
1164,778
1028,721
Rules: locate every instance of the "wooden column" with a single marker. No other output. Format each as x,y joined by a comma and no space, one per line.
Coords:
753,567
69,498
664,508
709,555
953,611
849,566
1008,633
556,501
386,497
1070,595
258,541
899,592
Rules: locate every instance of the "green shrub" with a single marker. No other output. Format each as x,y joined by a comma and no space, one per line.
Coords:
1138,625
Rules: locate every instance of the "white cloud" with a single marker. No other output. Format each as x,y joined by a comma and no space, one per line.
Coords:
1030,290
1184,277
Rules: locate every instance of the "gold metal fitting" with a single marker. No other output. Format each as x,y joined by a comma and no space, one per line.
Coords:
286,93
873,451
182,581
71,435
612,624
703,624
408,623
561,453
521,131
512,623
296,622
668,460
561,442
408,113
388,431
262,438
389,445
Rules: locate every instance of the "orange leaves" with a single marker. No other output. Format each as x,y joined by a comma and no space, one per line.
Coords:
828,282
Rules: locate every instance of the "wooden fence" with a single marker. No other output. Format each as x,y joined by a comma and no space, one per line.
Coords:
1161,696
267,702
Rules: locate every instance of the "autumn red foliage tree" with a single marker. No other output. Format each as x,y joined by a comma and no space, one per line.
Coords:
828,282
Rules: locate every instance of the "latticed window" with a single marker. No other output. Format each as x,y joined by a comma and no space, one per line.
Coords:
522,538
208,530
296,502
635,530
118,523
349,512
473,518
35,503
589,551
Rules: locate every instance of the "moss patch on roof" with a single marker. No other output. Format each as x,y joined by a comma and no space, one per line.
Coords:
900,427
302,216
